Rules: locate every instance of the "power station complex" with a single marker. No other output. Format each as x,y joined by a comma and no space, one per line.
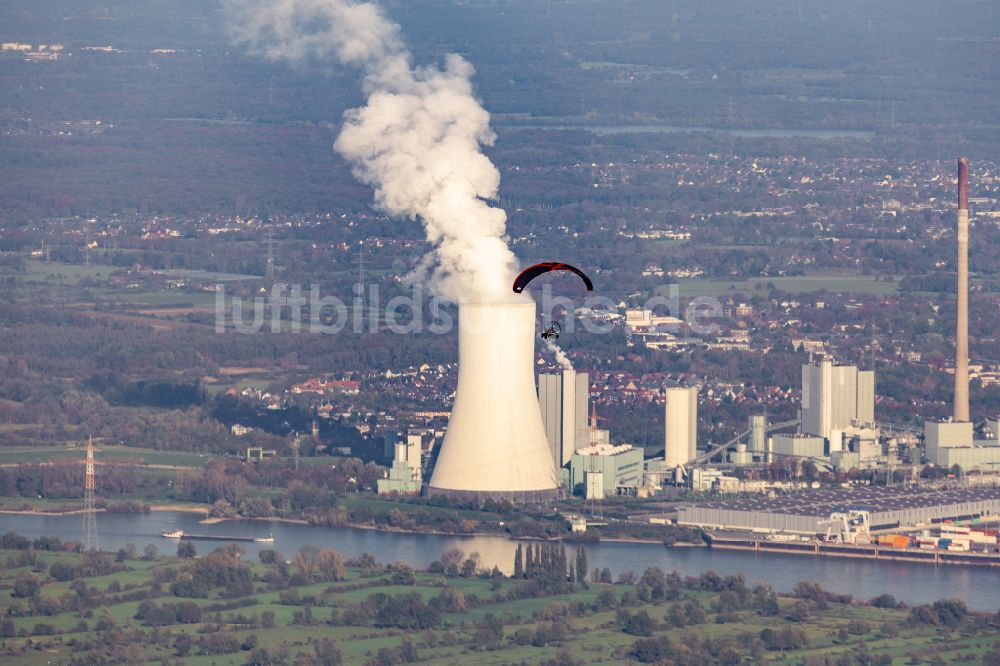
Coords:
513,437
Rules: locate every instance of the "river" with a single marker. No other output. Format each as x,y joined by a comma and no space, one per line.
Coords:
863,579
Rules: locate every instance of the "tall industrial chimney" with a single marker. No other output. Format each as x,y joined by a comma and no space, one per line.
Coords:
495,445
962,322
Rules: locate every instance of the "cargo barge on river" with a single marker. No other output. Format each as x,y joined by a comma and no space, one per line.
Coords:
759,543
181,534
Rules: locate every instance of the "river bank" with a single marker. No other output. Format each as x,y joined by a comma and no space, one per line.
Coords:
205,511
71,511
912,583
215,520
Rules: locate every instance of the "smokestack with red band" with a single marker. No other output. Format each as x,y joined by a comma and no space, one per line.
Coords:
963,183
962,322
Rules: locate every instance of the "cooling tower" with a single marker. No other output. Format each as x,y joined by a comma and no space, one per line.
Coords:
962,319
495,445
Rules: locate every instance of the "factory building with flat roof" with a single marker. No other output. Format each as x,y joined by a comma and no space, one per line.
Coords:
620,468
809,513
950,443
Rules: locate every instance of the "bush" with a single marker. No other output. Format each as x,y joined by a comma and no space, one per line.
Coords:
270,556
26,586
651,650
14,541
42,629
7,629
885,601
858,627
404,611
223,643
489,632
950,612
637,624
789,638
799,612
946,612
62,572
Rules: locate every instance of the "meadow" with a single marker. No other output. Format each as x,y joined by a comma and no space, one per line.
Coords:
61,607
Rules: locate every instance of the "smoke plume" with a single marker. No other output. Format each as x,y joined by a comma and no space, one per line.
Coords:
561,358
417,141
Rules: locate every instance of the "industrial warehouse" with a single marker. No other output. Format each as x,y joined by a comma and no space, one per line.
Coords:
814,512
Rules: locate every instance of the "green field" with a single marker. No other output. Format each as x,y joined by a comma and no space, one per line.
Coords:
23,454
106,618
41,275
805,284
166,298
12,455
66,274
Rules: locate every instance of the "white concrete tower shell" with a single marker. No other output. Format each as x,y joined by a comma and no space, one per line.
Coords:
550,405
758,433
681,425
866,396
569,420
825,398
564,402
495,443
582,410
844,397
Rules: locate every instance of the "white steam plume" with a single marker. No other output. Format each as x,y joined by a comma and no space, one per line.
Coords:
417,141
561,358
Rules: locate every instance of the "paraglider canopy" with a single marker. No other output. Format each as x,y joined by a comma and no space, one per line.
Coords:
530,273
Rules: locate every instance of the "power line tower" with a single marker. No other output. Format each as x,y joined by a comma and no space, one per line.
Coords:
269,270
296,444
874,343
86,244
89,506
594,505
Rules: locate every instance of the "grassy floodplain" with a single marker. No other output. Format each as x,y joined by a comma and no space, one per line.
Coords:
14,455
61,607
28,454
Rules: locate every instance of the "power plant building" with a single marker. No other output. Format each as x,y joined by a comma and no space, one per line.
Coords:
495,445
681,435
757,426
564,401
984,456
594,485
620,469
950,443
834,397
405,475
798,445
